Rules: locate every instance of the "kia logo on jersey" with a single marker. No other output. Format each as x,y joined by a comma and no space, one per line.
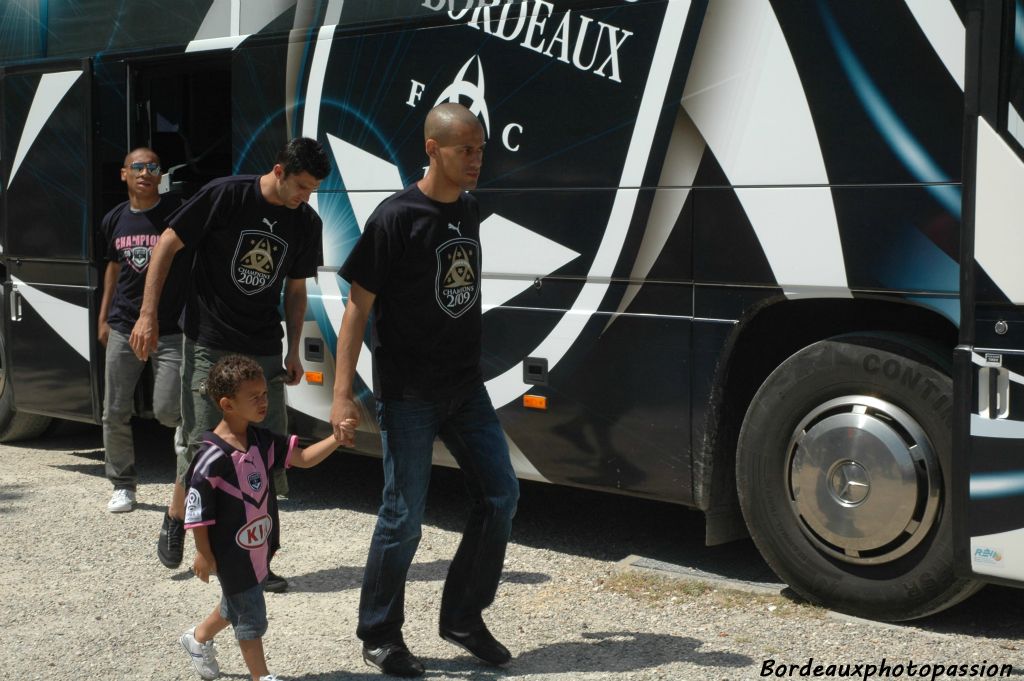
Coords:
255,534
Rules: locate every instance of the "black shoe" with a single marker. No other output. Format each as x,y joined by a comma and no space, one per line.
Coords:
480,644
171,545
394,659
275,583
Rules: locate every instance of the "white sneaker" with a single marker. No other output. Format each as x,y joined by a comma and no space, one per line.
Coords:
271,677
122,501
204,655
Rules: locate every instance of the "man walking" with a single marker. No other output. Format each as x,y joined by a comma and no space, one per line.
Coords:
417,267
253,235
130,232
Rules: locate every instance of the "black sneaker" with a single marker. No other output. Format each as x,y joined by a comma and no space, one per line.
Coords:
171,545
394,659
275,583
480,644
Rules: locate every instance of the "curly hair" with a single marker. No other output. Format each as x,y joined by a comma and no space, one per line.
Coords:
228,373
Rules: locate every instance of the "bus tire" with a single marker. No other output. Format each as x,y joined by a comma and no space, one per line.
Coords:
18,425
840,473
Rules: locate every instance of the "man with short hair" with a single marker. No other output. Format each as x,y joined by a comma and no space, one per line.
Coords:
130,232
252,235
417,267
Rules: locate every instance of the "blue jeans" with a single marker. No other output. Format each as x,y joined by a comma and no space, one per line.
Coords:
470,429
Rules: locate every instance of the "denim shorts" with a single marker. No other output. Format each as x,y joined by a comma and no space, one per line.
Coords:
247,612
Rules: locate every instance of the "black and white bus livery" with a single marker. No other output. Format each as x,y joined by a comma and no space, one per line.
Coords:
756,257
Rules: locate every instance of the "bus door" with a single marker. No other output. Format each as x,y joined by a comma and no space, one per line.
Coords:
49,324
988,470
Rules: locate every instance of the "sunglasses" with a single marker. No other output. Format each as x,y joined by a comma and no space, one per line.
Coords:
153,168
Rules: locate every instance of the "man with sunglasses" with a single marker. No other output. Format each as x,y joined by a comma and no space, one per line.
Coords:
254,236
130,232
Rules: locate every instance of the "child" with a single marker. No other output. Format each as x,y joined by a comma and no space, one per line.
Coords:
231,509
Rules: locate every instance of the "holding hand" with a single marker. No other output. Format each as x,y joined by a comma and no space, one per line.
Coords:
345,433
344,421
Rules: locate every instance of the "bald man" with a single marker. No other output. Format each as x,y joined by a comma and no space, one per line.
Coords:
417,267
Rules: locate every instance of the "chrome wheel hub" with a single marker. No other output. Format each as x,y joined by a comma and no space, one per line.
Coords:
849,482
864,481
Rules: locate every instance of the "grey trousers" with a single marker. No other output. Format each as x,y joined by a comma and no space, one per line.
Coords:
199,413
123,370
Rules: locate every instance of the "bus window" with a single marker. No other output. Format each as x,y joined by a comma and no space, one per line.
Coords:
183,111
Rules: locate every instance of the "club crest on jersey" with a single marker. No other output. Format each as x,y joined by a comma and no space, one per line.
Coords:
255,482
458,267
138,257
257,261
255,534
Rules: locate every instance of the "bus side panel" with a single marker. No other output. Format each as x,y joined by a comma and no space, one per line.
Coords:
49,282
48,323
561,204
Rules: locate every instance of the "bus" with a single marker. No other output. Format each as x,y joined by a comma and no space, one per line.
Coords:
754,257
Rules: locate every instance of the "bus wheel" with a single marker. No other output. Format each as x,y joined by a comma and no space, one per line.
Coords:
840,472
15,425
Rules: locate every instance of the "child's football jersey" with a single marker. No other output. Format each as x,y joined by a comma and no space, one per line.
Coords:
232,493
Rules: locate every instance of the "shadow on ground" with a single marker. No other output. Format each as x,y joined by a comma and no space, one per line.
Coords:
351,576
612,652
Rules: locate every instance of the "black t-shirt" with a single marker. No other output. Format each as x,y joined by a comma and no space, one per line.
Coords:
129,238
422,260
245,247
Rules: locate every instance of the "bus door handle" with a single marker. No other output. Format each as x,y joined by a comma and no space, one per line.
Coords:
15,304
994,392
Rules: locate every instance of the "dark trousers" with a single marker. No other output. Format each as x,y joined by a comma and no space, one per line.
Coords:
470,429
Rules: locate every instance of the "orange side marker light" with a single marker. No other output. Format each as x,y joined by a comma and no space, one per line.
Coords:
535,402
315,377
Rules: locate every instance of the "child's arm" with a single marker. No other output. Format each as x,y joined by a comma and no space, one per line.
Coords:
205,564
313,454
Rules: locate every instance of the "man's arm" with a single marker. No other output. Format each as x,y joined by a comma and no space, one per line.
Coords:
109,282
350,342
294,316
146,333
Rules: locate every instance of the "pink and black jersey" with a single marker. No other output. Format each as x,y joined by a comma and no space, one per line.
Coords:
232,493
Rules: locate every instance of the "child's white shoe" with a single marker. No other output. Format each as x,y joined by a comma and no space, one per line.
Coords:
204,655
271,677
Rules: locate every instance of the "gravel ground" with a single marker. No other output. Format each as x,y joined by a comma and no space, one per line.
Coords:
82,595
